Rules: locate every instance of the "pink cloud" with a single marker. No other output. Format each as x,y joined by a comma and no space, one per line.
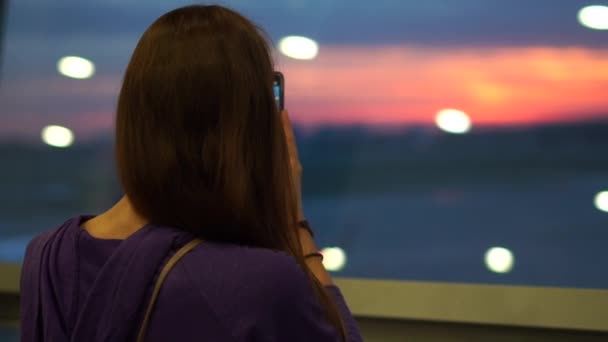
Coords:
384,85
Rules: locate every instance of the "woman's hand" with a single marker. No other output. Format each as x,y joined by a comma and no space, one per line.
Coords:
307,242
294,162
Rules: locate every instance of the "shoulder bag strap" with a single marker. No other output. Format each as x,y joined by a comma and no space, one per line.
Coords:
159,283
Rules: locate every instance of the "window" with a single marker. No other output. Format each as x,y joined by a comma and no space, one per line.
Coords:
449,141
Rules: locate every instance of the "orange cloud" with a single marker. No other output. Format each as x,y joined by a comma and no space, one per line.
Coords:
404,85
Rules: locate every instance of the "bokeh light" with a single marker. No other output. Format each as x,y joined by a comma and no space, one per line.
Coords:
499,260
453,121
334,258
601,201
594,17
57,136
76,67
298,47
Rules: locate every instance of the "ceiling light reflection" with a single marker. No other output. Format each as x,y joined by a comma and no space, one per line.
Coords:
499,260
453,121
594,17
57,136
601,201
298,47
334,258
76,67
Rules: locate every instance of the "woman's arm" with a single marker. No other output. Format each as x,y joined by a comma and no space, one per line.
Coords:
308,245
315,263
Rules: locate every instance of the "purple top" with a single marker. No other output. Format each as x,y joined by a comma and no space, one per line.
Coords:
75,287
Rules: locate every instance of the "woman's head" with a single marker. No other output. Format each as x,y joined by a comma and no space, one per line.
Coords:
200,144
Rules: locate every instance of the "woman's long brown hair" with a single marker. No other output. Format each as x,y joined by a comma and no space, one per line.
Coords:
199,142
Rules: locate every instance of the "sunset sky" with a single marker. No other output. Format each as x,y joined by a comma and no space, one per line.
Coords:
393,63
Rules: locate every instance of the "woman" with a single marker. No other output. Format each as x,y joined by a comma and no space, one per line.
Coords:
202,153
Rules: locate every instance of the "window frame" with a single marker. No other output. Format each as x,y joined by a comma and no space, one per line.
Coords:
524,306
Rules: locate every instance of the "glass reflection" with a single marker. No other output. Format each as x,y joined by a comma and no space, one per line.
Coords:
601,201
76,67
334,258
594,17
453,121
57,136
299,47
499,260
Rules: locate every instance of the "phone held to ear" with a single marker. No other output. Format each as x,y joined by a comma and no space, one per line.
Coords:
279,90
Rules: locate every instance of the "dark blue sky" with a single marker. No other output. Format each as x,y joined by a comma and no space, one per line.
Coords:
434,22
41,31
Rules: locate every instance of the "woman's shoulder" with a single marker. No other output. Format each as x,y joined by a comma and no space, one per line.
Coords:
244,291
255,277
246,264
39,241
235,281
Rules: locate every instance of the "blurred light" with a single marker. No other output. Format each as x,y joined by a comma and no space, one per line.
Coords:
601,201
499,260
453,121
594,17
76,67
298,47
334,258
57,136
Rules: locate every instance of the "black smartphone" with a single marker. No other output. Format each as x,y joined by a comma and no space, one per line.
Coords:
279,90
